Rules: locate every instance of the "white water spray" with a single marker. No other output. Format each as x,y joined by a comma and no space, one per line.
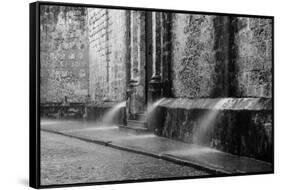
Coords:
151,107
108,118
207,122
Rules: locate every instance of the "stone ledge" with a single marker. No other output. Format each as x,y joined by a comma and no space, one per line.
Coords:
240,126
88,111
106,104
219,103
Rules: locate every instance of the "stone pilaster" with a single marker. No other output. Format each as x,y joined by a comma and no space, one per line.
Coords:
166,53
136,87
222,55
155,84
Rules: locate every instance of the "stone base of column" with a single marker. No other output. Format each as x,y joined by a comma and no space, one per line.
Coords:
130,99
154,89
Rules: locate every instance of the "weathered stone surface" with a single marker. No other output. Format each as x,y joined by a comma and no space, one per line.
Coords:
246,132
107,54
198,50
252,57
137,97
205,57
81,111
219,103
63,54
194,72
58,111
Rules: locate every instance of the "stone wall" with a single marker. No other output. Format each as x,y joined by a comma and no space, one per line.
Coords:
64,54
252,57
195,70
221,56
241,126
85,52
221,83
107,54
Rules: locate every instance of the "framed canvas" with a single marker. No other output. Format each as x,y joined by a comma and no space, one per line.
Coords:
126,94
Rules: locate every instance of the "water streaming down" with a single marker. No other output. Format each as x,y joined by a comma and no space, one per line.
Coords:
207,122
108,118
151,107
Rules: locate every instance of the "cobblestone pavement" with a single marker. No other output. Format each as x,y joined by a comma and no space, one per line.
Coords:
66,160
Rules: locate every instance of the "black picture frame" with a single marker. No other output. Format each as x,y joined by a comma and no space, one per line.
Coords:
34,98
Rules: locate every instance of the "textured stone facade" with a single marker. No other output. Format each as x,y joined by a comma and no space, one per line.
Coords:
221,56
83,53
193,57
252,57
107,54
91,52
64,54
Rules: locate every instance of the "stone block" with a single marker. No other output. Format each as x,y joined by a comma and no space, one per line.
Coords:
241,126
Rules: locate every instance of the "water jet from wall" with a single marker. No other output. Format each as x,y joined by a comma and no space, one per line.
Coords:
207,122
111,114
151,108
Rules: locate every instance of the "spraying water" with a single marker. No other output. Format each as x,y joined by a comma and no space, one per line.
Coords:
111,114
207,122
151,107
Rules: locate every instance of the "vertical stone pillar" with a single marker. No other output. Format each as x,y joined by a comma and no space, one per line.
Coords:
134,46
128,47
232,86
128,63
166,54
222,49
156,24
227,53
155,85
136,86
132,82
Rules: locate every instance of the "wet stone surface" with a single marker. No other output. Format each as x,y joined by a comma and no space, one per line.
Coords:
66,160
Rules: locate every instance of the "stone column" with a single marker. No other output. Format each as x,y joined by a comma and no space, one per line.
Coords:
156,36
134,46
166,54
128,47
223,54
132,62
135,92
128,63
155,85
227,54
232,56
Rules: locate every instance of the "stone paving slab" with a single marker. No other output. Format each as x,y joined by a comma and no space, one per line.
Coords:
104,135
160,147
91,131
60,125
209,158
154,144
224,162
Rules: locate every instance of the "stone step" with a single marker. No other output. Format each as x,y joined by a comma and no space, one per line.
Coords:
134,129
141,117
136,123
